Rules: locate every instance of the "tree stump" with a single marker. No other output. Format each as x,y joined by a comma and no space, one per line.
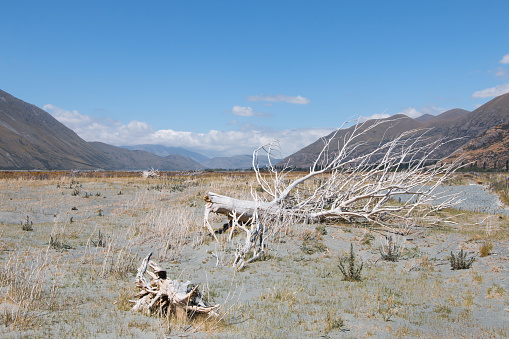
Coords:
164,296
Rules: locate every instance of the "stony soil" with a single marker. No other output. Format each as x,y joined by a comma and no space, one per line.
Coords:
79,284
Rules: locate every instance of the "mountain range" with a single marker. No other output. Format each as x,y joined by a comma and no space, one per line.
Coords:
164,151
466,132
244,161
31,138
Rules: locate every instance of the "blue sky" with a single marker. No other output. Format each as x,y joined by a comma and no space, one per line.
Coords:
223,77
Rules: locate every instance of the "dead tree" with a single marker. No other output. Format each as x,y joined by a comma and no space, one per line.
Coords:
386,185
167,297
152,173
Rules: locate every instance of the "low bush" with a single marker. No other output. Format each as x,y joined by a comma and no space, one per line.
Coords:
460,261
28,225
347,266
391,250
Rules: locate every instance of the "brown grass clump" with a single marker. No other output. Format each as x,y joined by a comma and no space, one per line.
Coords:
485,249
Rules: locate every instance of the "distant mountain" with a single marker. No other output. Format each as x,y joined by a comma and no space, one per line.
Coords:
393,127
452,114
138,160
233,162
425,117
164,151
31,138
447,115
236,162
458,125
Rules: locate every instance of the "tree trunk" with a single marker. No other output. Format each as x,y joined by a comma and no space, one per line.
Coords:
242,209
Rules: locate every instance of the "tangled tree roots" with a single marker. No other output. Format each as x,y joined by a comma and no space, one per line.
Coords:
167,297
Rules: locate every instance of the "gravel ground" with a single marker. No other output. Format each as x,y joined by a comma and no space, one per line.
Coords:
297,291
476,198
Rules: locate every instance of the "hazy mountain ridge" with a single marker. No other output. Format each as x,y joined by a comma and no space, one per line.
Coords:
244,161
125,159
236,162
164,151
391,128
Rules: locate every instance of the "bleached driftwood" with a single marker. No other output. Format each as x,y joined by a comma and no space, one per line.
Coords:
346,185
165,296
152,173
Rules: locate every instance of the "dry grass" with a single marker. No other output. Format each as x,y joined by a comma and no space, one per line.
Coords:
26,289
486,249
83,290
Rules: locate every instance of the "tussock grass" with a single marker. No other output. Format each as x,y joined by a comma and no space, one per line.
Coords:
26,289
485,249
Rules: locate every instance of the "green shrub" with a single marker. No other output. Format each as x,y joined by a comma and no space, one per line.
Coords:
28,225
347,266
321,229
367,238
57,244
391,250
460,261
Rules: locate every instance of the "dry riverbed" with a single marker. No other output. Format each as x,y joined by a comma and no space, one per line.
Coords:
71,246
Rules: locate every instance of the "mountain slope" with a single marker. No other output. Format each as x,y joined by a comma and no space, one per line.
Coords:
388,130
492,113
451,114
31,138
457,125
425,117
138,160
490,149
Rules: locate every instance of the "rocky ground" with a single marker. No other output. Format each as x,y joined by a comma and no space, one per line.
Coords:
68,270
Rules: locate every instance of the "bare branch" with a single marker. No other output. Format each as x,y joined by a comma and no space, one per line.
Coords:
389,185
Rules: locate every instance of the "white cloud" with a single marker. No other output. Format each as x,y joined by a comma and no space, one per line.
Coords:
492,92
411,112
243,141
246,112
96,129
433,110
211,143
72,119
374,116
280,98
501,73
505,59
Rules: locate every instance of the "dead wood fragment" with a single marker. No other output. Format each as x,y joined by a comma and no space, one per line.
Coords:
164,296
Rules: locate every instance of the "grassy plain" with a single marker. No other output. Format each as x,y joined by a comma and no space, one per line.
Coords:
71,244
